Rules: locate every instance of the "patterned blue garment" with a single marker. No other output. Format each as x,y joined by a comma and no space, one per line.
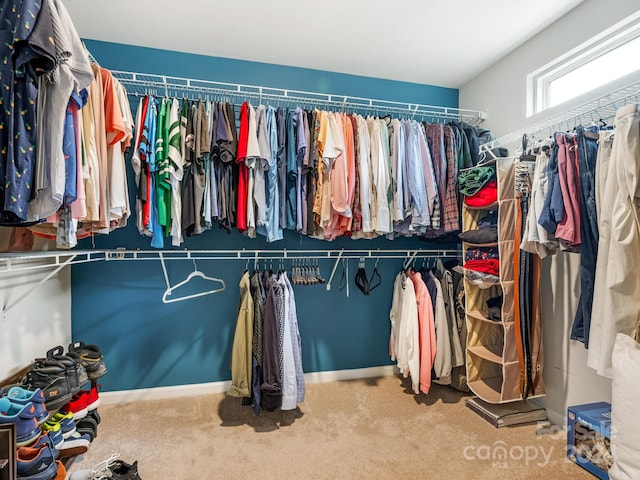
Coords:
26,52
271,229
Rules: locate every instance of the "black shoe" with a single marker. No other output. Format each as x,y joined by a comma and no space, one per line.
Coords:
91,359
95,415
53,381
123,471
75,369
87,426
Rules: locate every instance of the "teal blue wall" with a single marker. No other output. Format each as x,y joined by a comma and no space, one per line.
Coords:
147,343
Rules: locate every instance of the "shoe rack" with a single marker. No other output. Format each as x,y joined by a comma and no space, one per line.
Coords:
8,446
7,452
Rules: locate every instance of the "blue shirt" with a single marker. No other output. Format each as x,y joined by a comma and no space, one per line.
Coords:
25,34
553,207
271,229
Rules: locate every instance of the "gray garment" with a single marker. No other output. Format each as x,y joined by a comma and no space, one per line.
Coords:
262,164
271,387
297,343
446,281
199,171
73,73
281,161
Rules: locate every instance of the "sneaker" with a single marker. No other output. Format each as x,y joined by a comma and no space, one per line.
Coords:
95,415
81,372
91,359
21,396
36,463
61,422
83,402
123,471
62,471
24,418
76,372
89,427
54,440
75,445
99,472
52,380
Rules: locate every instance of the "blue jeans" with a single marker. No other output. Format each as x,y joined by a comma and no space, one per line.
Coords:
553,208
587,154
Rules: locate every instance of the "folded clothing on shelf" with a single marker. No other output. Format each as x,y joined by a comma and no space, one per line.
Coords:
481,253
494,308
489,221
480,236
472,180
486,196
490,266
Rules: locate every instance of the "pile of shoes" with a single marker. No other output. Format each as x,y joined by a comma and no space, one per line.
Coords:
54,413
110,468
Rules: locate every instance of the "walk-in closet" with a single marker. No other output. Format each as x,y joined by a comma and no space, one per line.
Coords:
319,241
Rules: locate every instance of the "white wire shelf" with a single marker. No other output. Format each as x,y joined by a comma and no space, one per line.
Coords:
13,262
163,85
603,107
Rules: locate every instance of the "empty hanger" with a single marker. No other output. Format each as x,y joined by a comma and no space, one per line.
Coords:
195,274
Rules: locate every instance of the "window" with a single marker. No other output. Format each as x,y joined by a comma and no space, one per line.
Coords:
603,59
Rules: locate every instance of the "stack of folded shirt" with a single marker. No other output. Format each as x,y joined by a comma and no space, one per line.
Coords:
472,180
490,266
486,196
478,185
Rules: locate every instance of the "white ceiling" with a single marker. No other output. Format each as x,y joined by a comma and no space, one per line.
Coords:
437,42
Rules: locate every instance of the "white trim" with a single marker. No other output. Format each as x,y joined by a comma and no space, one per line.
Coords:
610,39
178,391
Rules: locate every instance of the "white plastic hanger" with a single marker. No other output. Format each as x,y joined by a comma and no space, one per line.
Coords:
196,273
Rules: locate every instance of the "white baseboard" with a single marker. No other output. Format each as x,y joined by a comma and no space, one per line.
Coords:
556,418
177,391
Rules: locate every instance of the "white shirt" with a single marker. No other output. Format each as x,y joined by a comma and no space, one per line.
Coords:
404,341
289,386
364,171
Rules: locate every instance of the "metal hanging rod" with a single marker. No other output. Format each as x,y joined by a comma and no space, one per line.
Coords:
273,254
164,85
15,262
603,107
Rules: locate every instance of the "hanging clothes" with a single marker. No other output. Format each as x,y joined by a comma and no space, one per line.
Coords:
321,173
616,300
271,388
266,357
21,95
587,153
242,350
427,331
535,238
404,341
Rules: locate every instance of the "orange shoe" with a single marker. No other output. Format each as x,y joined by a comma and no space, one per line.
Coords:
62,472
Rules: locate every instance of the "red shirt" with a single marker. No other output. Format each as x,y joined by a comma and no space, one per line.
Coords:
243,171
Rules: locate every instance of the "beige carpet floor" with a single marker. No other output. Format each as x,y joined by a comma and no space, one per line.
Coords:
359,429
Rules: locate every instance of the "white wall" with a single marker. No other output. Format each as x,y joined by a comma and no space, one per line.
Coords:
40,321
501,91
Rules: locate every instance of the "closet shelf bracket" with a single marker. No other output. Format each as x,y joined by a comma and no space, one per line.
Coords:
16,301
